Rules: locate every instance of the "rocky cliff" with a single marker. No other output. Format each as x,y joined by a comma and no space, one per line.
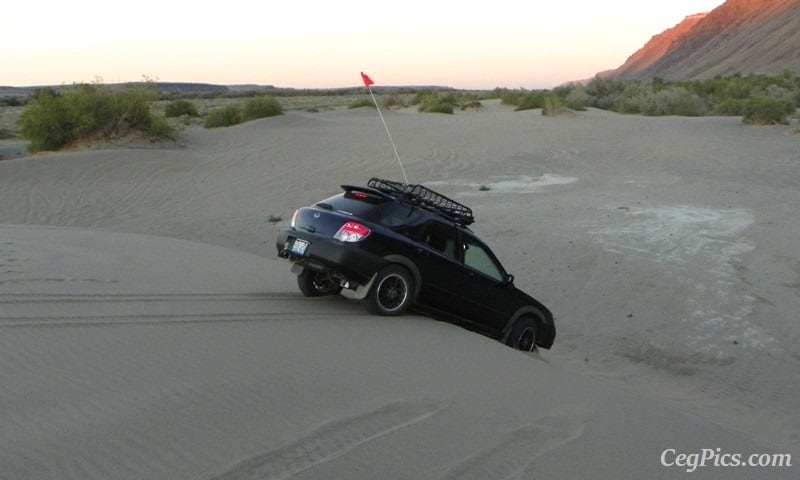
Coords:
740,36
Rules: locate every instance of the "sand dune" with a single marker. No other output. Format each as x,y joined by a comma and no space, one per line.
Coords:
148,331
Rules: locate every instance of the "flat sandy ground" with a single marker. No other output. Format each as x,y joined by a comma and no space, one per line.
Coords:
148,330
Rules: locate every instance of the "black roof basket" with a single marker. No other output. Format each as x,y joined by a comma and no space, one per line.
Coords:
426,198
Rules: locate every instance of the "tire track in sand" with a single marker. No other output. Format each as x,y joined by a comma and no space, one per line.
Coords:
330,441
512,457
108,310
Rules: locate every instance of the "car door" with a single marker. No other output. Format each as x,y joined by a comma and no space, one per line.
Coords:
486,294
437,247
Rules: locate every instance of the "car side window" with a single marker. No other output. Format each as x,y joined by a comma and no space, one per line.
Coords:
475,256
439,237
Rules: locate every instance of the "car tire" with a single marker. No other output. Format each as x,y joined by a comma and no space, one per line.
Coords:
391,292
523,335
316,284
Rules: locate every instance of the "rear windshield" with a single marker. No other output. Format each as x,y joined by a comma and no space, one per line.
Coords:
371,208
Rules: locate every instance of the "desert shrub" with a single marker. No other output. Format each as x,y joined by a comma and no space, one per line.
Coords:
674,101
430,101
224,117
509,97
780,93
628,105
630,99
729,107
472,105
364,102
51,119
12,101
92,108
176,108
47,121
735,87
719,95
531,100
437,106
767,111
577,99
425,96
553,106
451,98
161,128
603,92
261,107
394,100
133,106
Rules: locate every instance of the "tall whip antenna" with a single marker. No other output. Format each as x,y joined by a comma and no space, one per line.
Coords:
368,83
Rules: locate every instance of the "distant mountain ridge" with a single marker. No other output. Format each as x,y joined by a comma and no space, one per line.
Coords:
739,36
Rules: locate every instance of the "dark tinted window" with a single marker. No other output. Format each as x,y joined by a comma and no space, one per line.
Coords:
439,237
370,207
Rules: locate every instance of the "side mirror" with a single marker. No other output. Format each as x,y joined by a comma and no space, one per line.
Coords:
508,279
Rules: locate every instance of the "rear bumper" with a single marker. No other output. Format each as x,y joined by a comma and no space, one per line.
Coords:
347,261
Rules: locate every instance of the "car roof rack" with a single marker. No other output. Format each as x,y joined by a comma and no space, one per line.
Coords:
426,198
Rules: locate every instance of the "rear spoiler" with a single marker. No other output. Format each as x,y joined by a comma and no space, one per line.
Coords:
369,190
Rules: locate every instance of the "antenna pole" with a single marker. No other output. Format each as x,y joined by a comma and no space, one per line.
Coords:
397,155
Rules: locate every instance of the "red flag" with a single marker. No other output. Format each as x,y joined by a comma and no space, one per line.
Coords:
367,81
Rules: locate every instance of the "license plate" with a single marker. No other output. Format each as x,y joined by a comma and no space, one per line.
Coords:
299,247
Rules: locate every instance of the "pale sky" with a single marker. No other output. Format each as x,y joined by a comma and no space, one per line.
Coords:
325,44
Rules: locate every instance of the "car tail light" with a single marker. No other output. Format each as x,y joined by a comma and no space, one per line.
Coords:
352,232
294,219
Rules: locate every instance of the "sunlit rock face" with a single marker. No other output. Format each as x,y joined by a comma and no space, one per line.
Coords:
739,36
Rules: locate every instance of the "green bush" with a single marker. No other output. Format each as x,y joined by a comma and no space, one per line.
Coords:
729,107
439,106
261,107
718,95
553,106
394,100
224,117
431,101
603,92
364,102
577,99
161,128
52,120
674,101
176,108
531,100
767,111
48,122
133,107
509,97
425,96
630,99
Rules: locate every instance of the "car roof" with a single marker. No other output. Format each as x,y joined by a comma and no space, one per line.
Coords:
418,196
